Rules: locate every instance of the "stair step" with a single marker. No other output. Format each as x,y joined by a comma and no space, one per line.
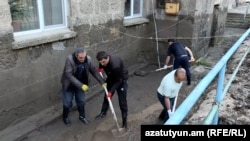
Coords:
237,20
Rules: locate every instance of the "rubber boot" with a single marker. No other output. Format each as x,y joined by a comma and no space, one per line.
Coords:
101,115
82,115
65,116
188,80
105,106
124,123
124,120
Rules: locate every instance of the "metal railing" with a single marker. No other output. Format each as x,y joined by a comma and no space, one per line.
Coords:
220,70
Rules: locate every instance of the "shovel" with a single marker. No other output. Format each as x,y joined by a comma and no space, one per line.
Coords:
112,111
160,69
175,101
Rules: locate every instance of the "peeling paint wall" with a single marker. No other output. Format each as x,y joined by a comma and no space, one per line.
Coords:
30,76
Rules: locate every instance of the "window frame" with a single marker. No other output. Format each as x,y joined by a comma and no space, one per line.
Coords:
42,27
132,15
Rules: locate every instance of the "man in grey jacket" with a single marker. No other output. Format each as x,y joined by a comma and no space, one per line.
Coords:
75,82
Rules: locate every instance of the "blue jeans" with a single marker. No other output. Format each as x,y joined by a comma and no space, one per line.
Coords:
68,95
162,101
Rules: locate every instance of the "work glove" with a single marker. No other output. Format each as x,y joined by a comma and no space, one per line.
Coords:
104,85
165,66
100,70
170,113
109,95
85,87
192,59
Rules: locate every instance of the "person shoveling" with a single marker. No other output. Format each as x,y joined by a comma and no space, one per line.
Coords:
168,90
117,76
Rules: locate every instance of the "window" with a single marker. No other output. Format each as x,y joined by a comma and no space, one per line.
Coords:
133,9
33,16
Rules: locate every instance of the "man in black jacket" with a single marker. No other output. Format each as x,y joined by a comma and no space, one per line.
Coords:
117,76
75,82
181,57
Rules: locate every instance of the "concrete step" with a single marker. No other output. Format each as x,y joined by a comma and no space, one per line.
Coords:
236,17
237,20
238,23
237,26
230,15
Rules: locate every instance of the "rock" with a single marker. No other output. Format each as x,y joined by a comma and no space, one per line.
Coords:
140,73
199,72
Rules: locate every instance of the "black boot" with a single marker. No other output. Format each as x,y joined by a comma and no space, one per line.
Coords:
82,115
65,116
162,115
188,80
124,123
100,116
84,120
105,107
124,119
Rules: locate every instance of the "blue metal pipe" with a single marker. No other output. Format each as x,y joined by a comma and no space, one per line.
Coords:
216,118
209,119
188,103
220,84
234,74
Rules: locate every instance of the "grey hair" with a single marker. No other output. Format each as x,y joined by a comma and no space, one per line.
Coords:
79,50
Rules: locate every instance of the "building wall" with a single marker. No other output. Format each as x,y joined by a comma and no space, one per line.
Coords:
195,24
219,22
30,70
208,23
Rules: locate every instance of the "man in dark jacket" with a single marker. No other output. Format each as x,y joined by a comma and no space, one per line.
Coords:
181,57
75,82
117,76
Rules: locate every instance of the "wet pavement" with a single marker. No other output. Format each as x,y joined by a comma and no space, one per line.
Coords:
143,108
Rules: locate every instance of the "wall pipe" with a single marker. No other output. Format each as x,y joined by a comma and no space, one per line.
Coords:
156,35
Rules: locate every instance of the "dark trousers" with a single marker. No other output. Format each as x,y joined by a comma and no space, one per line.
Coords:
67,98
122,97
164,113
183,62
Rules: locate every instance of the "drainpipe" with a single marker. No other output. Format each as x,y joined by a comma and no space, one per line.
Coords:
156,35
